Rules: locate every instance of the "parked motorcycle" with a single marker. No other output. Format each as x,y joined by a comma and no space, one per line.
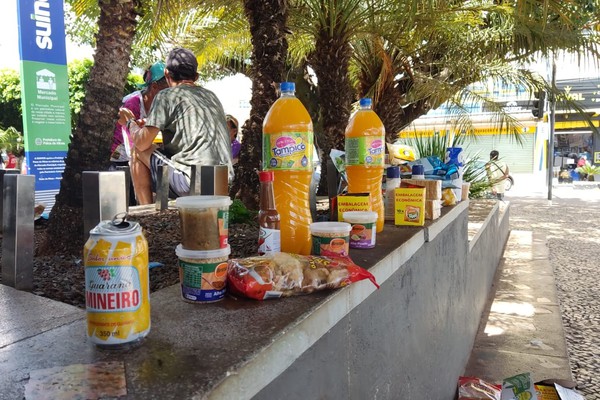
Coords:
508,183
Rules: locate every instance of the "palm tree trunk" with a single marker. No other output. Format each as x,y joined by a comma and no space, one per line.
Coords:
330,62
268,27
89,149
393,115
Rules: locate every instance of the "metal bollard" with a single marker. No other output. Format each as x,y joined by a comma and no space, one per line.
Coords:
17,240
162,188
103,197
212,180
128,186
4,172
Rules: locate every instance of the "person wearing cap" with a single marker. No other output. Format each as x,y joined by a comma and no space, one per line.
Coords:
193,126
497,172
236,146
139,103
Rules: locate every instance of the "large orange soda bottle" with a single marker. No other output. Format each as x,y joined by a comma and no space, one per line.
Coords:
365,144
288,152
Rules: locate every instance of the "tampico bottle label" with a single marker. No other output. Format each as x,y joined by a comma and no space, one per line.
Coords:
288,151
365,151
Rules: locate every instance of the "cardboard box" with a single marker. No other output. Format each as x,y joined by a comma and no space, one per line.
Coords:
433,209
353,202
410,206
433,186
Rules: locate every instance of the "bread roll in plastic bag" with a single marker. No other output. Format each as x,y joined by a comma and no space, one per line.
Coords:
284,274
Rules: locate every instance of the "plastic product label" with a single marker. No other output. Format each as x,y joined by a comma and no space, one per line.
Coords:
288,151
367,151
330,245
202,282
269,241
362,236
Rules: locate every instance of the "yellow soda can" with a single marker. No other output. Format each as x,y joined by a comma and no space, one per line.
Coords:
117,284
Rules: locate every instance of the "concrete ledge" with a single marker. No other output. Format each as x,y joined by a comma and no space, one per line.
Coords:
294,341
418,328
22,316
480,226
436,227
351,343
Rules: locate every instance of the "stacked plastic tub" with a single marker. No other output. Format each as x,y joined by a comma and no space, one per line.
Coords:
204,248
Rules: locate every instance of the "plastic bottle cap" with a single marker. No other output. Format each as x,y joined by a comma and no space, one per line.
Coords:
365,102
418,169
288,87
266,176
393,172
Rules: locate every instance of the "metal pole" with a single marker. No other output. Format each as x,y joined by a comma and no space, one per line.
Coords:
103,197
128,186
209,180
18,240
162,188
214,180
195,180
4,172
552,102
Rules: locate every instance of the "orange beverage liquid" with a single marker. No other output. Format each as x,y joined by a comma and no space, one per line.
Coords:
365,151
288,152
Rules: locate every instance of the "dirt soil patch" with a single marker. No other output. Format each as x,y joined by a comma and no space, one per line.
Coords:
61,277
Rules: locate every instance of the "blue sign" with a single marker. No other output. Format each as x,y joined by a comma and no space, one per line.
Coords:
42,31
44,94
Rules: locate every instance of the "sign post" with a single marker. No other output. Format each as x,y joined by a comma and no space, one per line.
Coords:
44,94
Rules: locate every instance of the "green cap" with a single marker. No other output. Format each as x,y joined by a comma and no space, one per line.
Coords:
155,73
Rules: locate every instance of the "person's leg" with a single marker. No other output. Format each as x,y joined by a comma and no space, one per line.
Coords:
141,176
179,184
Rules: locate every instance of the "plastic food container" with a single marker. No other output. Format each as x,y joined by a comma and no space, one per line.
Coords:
204,222
330,238
362,234
202,274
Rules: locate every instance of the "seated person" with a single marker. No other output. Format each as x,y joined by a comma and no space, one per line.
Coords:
138,103
232,124
194,131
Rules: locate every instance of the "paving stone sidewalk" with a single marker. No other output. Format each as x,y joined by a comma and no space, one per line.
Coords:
521,330
571,224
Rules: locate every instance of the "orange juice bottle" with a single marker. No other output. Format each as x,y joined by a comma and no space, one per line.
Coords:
288,152
365,144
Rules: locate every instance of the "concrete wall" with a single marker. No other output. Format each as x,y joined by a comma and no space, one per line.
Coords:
411,338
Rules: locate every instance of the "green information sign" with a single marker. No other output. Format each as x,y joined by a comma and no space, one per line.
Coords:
45,94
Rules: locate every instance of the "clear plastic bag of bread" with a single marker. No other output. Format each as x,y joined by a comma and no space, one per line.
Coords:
285,274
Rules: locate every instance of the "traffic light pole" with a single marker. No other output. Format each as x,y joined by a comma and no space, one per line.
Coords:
550,151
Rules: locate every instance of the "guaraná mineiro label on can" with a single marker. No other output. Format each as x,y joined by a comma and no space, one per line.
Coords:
117,288
112,289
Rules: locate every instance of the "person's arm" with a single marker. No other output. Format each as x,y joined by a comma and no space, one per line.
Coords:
143,137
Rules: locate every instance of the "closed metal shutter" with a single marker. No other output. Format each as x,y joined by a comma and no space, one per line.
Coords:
518,157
